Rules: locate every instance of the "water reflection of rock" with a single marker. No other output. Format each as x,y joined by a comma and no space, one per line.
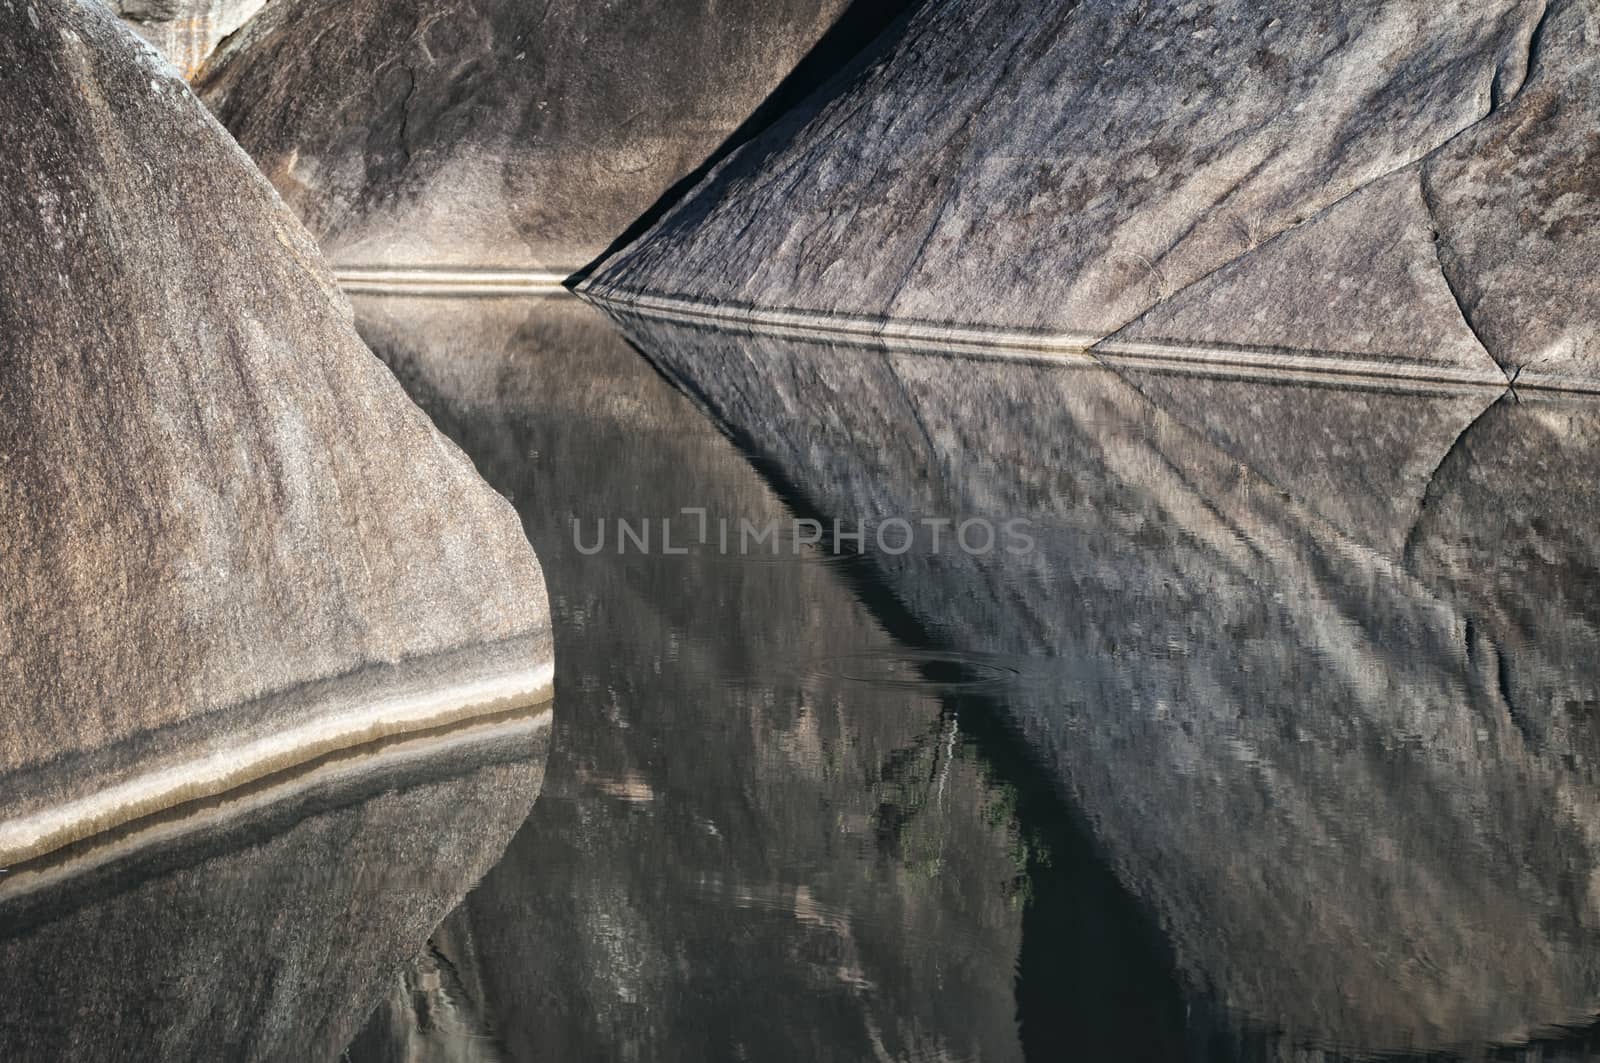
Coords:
742,852
1349,770
263,926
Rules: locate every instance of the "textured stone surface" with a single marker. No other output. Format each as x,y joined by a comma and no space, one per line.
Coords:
494,133
1366,187
185,31
1499,222
1361,459
1517,202
1064,166
220,517
1355,791
1360,285
1508,529
264,927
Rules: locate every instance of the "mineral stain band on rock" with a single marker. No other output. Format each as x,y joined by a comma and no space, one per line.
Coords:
450,281
1286,364
894,334
1385,181
929,337
473,737
336,725
231,544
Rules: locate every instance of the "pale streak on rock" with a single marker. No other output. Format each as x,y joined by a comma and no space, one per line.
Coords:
185,31
494,133
359,859
221,521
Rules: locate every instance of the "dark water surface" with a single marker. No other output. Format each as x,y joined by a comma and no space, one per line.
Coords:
1279,742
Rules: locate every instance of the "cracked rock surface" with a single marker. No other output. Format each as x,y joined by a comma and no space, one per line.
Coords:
490,132
1517,203
1403,187
213,497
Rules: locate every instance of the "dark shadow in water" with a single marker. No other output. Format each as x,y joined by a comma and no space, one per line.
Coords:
1095,977
903,878
260,925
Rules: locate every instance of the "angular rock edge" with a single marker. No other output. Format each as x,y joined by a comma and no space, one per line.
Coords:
819,226
931,337
229,543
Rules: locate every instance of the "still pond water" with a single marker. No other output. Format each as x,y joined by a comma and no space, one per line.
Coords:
1270,734
1063,714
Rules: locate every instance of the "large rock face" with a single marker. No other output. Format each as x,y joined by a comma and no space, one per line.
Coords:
1345,753
227,539
1395,188
185,31
495,133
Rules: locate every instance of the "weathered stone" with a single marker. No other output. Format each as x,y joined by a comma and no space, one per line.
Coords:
1357,290
1496,224
264,926
227,539
1517,203
495,133
1364,188
1359,793
1016,166
1508,531
185,31
1361,459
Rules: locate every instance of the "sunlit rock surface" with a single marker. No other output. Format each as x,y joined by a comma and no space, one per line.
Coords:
1391,189
1351,771
185,31
228,541
497,133
765,834
268,925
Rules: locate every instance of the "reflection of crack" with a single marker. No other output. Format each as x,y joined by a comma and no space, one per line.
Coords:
1407,551
935,465
1452,282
